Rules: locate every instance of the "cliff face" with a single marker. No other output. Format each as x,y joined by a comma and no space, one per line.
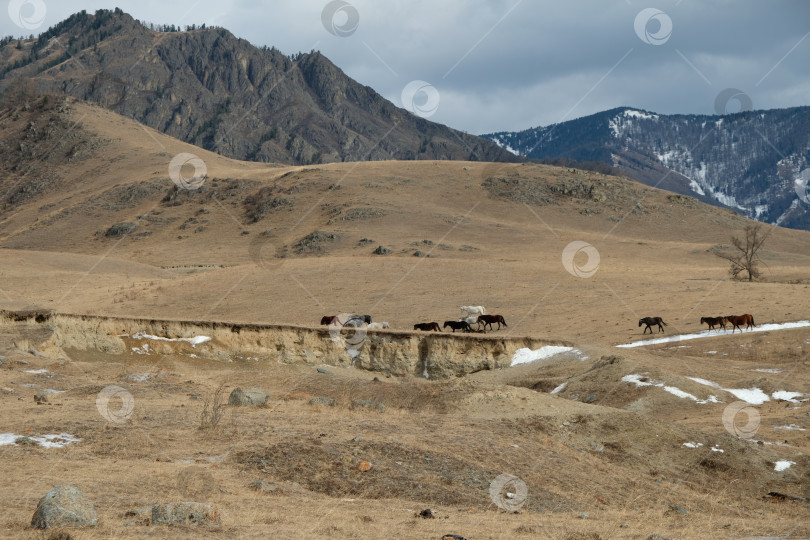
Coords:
397,353
211,89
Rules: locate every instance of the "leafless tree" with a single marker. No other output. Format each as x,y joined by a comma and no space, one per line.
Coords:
745,256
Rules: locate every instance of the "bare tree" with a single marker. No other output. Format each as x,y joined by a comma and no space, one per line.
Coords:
745,257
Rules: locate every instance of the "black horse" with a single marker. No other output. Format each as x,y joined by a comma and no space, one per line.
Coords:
714,321
464,326
427,326
650,322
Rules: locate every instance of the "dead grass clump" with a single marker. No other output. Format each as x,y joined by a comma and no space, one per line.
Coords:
213,409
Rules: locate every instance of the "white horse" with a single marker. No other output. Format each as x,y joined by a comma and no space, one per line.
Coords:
378,325
472,310
470,320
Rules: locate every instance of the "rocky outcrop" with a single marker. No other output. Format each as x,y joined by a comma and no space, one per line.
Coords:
197,85
431,355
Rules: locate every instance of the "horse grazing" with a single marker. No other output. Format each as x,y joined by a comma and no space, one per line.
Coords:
487,320
464,326
714,321
327,319
427,326
472,310
650,322
739,320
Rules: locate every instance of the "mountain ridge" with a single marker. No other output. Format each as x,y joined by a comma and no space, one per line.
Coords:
214,90
749,161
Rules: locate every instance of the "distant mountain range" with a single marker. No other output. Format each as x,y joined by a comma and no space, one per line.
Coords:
209,88
751,161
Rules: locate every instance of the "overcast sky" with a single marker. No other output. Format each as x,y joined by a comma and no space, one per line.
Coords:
497,65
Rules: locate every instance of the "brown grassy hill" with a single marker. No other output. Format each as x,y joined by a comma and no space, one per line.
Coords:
81,180
211,89
91,223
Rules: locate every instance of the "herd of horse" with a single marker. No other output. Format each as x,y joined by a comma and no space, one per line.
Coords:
470,315
476,315
737,321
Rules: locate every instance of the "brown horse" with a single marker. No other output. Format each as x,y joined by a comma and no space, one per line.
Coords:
487,320
714,321
464,326
739,320
427,326
650,322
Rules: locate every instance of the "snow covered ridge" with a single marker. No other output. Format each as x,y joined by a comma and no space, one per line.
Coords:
714,333
196,340
525,355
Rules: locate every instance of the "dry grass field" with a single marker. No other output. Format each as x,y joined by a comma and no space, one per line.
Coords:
600,458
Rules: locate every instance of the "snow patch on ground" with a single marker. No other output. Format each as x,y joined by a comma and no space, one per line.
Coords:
693,444
754,396
559,388
526,355
783,465
791,427
46,441
36,371
636,379
196,340
787,396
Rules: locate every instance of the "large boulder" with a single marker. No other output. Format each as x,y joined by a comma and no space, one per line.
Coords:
64,506
252,397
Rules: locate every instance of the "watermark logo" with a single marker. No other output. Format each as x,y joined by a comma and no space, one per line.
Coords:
572,261
802,186
350,330
653,26
732,416
728,95
195,483
420,98
111,414
340,18
27,14
261,250
508,492
180,167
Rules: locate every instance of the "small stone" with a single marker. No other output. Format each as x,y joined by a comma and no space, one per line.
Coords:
591,398
324,371
322,401
673,509
41,397
427,513
364,466
584,515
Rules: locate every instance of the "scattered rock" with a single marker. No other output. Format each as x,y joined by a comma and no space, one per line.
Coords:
26,441
673,509
136,377
427,513
364,466
381,251
121,229
250,397
64,506
263,487
185,513
591,398
368,404
584,515
41,397
324,371
322,401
